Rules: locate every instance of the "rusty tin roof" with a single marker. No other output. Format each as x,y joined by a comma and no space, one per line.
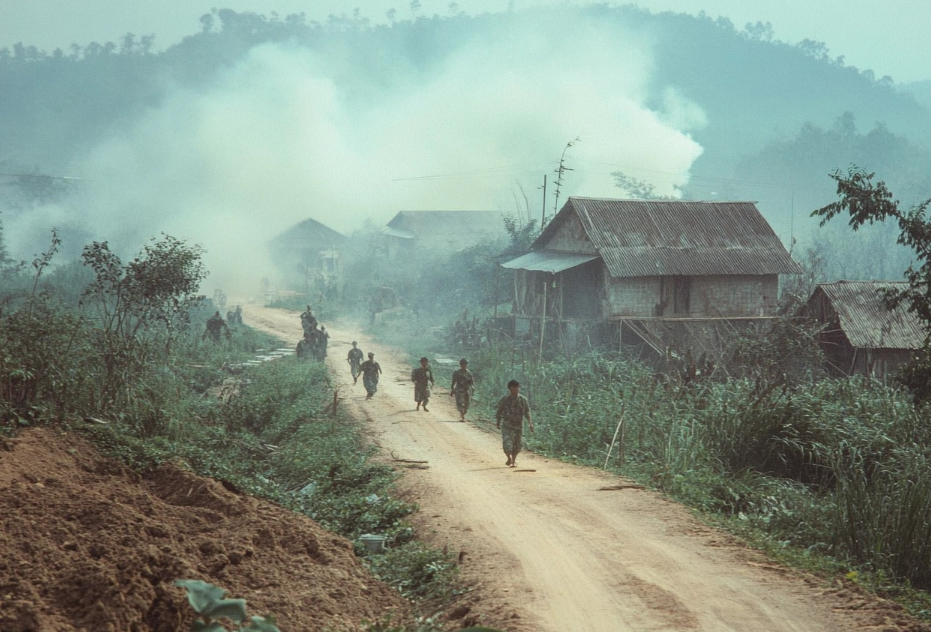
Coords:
865,319
661,238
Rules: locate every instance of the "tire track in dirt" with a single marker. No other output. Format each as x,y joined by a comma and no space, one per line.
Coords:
547,551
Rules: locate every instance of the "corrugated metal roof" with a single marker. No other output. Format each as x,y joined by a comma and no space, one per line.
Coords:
308,234
548,261
397,232
866,321
448,230
644,238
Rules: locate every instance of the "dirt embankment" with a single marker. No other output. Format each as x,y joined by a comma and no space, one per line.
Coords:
85,544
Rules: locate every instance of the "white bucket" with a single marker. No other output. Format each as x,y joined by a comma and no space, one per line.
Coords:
373,543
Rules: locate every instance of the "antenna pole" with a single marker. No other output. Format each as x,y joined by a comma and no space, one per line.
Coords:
543,216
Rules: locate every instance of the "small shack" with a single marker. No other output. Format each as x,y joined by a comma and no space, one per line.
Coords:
307,249
663,273
860,334
440,231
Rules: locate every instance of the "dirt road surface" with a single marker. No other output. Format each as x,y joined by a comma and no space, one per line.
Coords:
547,551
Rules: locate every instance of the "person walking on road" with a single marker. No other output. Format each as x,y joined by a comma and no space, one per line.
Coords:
462,388
354,358
422,377
512,410
370,371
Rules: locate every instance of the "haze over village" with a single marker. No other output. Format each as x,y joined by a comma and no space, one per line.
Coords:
280,281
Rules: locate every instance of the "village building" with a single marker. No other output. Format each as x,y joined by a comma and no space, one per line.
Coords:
410,232
860,335
307,254
658,274
310,245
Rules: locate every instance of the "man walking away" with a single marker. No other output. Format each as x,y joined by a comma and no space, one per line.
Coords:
216,327
354,358
512,409
370,371
422,377
462,388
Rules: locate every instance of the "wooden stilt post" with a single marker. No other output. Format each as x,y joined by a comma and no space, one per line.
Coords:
543,317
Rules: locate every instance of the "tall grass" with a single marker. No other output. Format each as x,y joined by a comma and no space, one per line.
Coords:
835,466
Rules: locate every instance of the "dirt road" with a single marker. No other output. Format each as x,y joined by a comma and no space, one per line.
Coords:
548,551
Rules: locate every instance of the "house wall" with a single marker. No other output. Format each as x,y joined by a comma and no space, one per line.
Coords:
885,363
733,296
395,247
574,293
571,237
707,296
881,364
582,291
633,297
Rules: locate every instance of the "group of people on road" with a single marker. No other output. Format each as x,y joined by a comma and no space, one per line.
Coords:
315,341
369,370
511,412
234,316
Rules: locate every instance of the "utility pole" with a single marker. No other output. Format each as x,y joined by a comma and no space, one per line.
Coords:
543,216
560,172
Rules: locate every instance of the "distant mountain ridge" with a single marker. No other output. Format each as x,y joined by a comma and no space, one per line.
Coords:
753,89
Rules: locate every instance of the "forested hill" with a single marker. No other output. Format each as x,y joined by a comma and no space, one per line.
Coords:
774,119
751,87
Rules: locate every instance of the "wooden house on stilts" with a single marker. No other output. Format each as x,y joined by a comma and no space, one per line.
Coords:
658,274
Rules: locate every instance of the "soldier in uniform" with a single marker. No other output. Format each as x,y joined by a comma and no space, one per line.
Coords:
308,320
323,340
354,358
462,388
303,349
215,327
370,371
422,377
512,410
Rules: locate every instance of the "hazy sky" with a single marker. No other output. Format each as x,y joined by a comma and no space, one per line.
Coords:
276,138
891,38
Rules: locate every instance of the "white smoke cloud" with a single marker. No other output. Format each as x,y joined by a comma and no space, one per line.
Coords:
278,139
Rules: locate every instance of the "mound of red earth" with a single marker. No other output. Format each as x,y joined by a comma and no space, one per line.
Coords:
86,544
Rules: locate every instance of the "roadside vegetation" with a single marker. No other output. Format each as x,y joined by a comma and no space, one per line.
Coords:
831,475
834,468
125,362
